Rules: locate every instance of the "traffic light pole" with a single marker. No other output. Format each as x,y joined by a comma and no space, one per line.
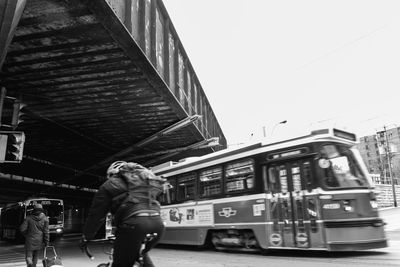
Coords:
3,92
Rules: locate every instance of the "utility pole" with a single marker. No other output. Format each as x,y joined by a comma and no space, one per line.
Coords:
389,160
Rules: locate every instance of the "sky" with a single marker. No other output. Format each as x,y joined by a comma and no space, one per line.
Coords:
312,63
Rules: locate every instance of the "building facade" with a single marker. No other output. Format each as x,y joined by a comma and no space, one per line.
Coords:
381,154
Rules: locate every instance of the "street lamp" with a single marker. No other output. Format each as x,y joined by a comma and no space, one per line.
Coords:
281,122
273,128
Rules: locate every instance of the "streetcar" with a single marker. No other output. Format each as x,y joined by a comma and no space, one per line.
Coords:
12,216
309,192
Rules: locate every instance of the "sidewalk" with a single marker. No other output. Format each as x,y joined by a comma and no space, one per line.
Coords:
391,216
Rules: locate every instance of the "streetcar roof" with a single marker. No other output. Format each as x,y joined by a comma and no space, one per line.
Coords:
41,199
27,201
323,135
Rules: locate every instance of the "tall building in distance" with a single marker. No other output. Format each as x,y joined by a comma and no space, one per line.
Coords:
381,154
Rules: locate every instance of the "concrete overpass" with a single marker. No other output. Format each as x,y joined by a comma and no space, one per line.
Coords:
98,81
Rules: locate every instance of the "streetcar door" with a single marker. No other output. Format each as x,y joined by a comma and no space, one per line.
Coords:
291,201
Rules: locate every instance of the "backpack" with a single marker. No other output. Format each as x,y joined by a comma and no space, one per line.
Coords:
143,188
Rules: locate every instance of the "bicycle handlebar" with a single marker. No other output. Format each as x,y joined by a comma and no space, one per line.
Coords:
85,247
147,239
88,253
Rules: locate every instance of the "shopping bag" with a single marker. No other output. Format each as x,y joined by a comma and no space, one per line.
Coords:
54,261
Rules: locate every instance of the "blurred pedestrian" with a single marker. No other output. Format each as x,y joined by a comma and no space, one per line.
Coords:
35,228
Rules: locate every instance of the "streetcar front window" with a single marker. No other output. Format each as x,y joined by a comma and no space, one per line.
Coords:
341,168
55,212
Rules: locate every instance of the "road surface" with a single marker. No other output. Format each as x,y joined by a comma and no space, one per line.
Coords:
13,255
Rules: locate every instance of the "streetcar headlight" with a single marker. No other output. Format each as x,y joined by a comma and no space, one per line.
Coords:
378,224
58,230
348,208
374,204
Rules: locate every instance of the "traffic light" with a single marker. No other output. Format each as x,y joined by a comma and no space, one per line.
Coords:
11,146
17,113
10,111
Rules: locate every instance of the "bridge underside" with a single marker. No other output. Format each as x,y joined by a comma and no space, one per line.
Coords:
94,93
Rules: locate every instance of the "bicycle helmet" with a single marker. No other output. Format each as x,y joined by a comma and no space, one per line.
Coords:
115,168
131,167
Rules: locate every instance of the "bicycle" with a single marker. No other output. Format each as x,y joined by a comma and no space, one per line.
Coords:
139,262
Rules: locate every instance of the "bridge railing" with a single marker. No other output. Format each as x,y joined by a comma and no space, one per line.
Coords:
150,26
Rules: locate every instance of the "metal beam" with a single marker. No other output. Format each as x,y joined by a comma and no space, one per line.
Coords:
49,163
43,182
202,144
183,123
118,156
70,130
214,141
10,14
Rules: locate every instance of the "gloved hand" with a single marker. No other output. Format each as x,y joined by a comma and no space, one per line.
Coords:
83,243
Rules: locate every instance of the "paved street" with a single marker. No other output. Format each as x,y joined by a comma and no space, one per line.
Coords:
190,256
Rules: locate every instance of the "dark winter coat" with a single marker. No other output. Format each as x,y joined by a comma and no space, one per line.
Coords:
35,228
112,194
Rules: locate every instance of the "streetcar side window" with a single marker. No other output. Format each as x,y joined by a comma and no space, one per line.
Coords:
275,215
169,196
265,178
307,174
312,214
210,182
186,187
296,177
239,176
273,179
300,214
283,179
287,213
